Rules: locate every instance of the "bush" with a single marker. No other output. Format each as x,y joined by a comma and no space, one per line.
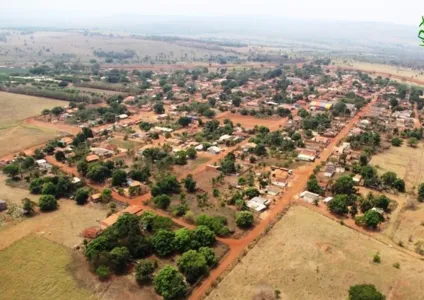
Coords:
193,265
169,283
49,188
119,258
163,242
82,196
244,219
144,270
376,258
365,292
103,272
162,201
47,203
397,142
209,255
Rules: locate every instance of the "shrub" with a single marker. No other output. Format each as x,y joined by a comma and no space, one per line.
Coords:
47,203
144,270
162,201
169,283
244,219
103,272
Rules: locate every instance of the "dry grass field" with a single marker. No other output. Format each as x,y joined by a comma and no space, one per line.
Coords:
307,256
43,45
406,162
36,268
14,133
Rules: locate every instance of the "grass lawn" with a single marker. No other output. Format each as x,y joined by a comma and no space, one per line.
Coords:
36,268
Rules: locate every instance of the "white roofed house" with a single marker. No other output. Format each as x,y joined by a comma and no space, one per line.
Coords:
309,197
214,150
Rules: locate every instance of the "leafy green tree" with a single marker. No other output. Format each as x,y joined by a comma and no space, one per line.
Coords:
167,185
144,270
191,153
60,156
202,236
343,185
119,177
28,206
209,256
120,257
372,218
98,172
339,205
397,142
365,292
163,242
382,202
183,240
412,142
184,121
103,272
162,201
363,160
27,163
82,168
181,158
158,108
313,186
190,184
11,170
236,101
106,195
47,203
389,178
36,186
49,188
244,219
169,283
193,265
399,184
81,196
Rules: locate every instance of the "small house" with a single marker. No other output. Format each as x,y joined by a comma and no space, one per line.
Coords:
96,197
214,150
258,204
92,158
309,197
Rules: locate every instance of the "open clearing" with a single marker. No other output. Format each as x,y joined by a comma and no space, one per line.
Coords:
14,134
36,268
308,256
406,162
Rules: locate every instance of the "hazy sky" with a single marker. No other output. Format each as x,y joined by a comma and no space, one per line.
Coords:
402,12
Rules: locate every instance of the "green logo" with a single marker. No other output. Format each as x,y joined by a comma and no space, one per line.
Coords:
421,32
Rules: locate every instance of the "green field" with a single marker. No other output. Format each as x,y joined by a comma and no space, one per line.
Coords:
36,268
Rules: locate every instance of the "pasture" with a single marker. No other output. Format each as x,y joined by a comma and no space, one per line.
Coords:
36,268
308,256
15,134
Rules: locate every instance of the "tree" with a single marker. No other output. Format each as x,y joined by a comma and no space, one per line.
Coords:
162,201
184,121
60,156
182,240
57,111
191,153
421,192
82,167
158,108
36,186
106,195
27,163
399,184
120,258
412,142
365,292
193,265
98,172
251,192
28,206
181,158
388,178
144,270
343,185
103,272
163,242
190,184
372,218
313,186
236,101
382,202
363,160
49,188
167,185
119,178
209,256
397,142
11,170
47,203
169,283
339,205
244,219
81,196
202,236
